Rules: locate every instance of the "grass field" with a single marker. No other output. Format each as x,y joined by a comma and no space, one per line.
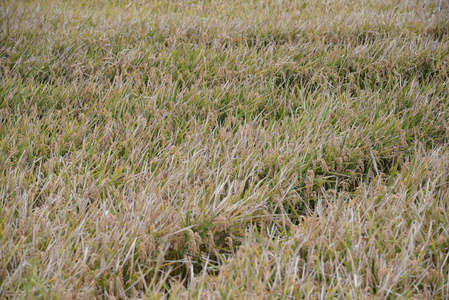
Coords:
224,149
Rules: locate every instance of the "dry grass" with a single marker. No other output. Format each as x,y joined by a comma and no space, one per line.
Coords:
224,149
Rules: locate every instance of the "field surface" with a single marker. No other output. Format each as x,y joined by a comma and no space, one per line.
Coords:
224,149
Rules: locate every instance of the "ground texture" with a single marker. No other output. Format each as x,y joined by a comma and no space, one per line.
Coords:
224,149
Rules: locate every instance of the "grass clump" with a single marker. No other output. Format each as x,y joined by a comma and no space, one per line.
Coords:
224,149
